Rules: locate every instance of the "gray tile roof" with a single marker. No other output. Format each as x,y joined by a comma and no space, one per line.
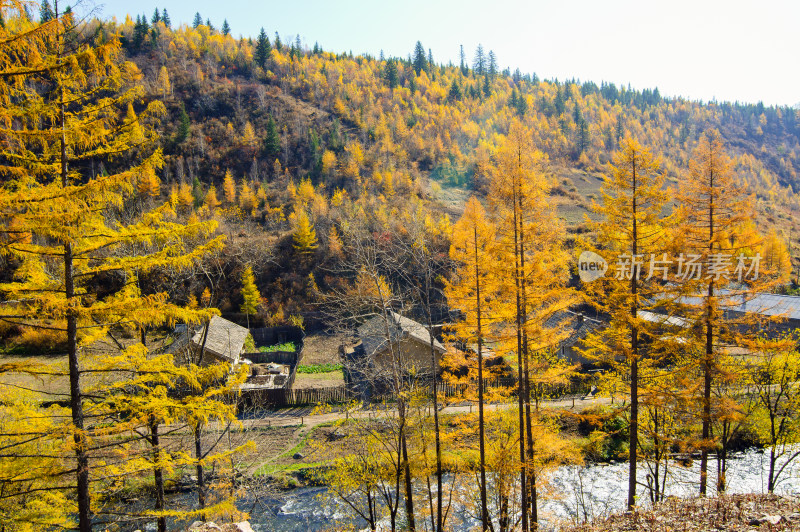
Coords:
373,333
663,319
761,303
225,338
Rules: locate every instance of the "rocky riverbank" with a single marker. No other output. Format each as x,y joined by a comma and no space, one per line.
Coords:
730,513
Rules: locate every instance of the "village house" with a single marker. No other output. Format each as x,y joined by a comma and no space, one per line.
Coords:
224,341
771,315
394,341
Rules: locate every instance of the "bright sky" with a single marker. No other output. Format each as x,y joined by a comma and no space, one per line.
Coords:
701,49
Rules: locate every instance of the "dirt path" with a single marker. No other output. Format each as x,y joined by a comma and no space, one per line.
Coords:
310,417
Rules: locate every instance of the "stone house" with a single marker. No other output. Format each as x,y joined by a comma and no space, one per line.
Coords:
394,341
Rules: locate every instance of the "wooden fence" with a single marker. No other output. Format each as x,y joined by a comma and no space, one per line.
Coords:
272,336
283,397
277,335
290,358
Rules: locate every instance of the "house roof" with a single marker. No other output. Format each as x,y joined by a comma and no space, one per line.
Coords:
225,339
760,303
373,333
663,319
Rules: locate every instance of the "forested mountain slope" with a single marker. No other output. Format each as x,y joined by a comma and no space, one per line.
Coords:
280,136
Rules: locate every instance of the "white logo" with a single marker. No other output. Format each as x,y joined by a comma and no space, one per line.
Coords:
591,266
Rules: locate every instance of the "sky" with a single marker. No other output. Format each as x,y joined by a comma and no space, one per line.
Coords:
731,50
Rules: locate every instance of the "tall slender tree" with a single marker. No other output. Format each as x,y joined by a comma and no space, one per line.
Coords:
630,229
531,248
715,232
472,248
479,63
262,49
70,98
250,294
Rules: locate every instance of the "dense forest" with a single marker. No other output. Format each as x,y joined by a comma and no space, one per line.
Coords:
276,135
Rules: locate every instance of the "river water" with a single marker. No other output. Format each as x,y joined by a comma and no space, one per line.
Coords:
579,492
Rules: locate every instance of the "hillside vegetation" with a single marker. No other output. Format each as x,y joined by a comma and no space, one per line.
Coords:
278,137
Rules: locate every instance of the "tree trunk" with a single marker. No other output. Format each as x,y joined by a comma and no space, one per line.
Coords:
533,518
708,359
481,428
76,400
771,479
158,473
409,491
633,437
633,440
198,455
436,435
722,468
707,369
521,385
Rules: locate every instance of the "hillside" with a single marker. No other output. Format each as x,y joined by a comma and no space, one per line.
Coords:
309,133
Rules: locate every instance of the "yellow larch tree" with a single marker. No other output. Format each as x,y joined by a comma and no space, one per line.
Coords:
328,162
250,295
73,108
335,248
185,198
776,257
535,270
161,392
246,198
210,199
229,188
163,83
305,237
716,232
470,291
629,232
149,184
772,377
249,135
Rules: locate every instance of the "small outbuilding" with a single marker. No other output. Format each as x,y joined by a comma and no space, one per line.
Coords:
224,341
392,335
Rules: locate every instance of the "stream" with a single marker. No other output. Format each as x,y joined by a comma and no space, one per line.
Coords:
577,493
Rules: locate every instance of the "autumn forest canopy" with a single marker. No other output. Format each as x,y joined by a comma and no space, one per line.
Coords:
154,177
275,133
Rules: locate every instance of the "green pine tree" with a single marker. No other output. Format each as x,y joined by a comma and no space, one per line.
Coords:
455,92
420,62
262,49
45,12
390,73
183,126
272,142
